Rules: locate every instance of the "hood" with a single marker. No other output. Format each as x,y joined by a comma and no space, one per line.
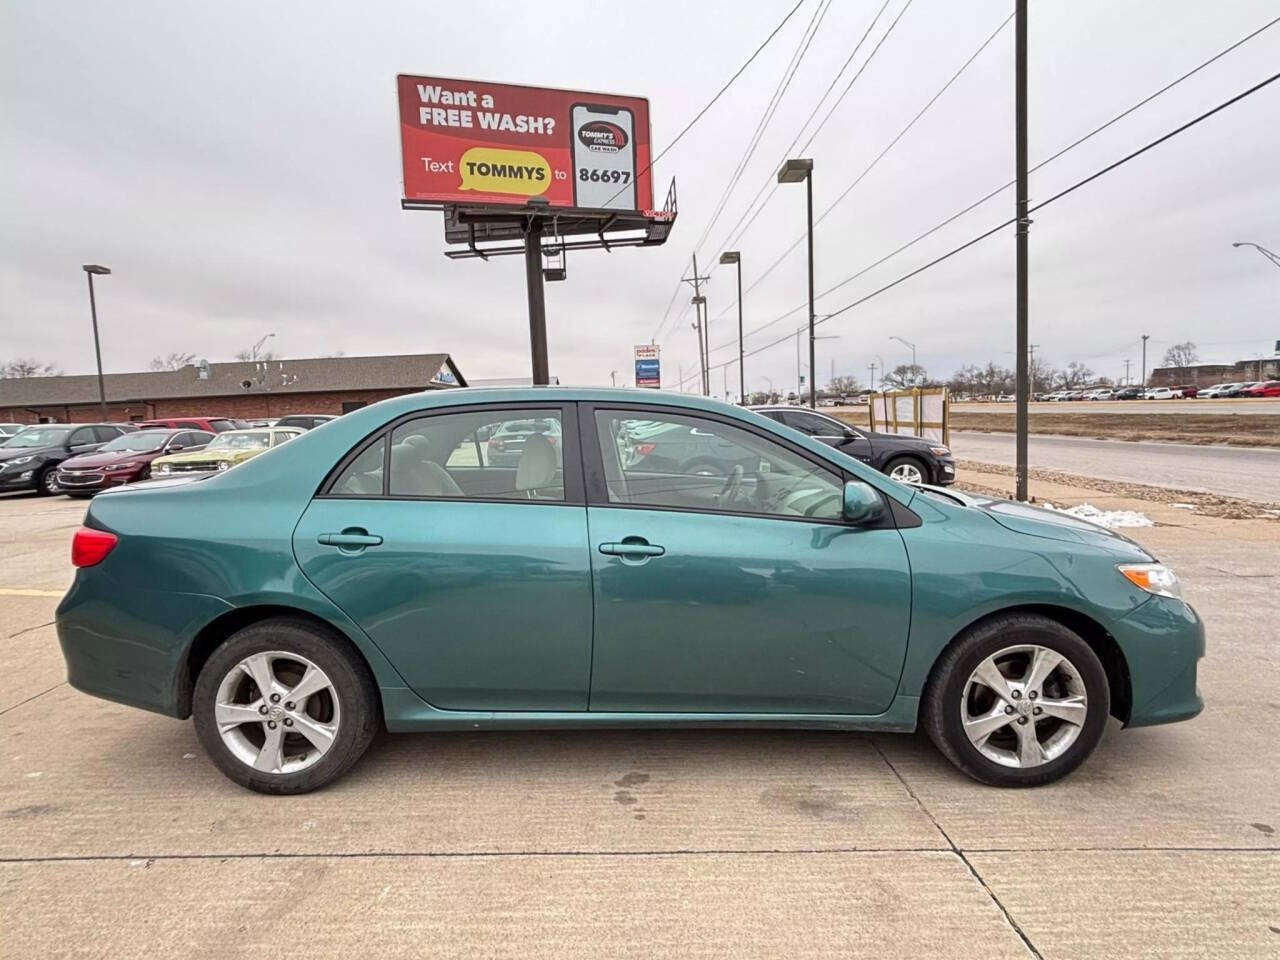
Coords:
11,453
234,456
1050,524
103,459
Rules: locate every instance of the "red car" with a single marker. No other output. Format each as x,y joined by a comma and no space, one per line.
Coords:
207,424
1269,388
125,459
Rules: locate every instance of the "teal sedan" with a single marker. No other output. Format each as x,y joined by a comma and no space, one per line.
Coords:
384,570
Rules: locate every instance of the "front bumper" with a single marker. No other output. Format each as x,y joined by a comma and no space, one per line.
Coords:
1162,641
23,478
946,472
73,481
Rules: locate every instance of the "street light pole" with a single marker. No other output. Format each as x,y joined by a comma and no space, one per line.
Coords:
1022,336
793,171
92,269
1273,257
1145,338
735,257
908,343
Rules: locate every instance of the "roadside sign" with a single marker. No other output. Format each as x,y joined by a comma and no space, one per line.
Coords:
648,368
471,143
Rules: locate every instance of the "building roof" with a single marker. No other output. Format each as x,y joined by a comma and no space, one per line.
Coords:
418,371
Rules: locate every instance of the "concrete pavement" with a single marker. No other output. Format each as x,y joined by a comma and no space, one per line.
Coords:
1251,473
120,839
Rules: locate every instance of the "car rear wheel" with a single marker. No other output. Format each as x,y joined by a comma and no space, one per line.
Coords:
1019,701
906,470
284,707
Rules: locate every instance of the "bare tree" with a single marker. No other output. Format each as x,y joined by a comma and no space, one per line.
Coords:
905,376
174,361
22,367
840,385
1075,375
1181,355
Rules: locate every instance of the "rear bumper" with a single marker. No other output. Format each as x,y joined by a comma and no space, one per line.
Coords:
131,646
1162,641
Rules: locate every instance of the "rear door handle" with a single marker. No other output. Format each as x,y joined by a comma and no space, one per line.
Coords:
632,549
351,537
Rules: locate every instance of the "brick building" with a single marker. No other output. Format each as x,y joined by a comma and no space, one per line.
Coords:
1207,374
240,389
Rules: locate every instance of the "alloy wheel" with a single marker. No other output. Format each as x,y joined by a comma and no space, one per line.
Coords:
907,473
277,712
50,481
1024,706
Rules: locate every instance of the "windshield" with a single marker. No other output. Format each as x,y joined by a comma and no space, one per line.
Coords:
38,437
142,442
248,440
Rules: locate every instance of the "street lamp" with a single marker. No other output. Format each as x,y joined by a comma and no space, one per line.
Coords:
93,269
735,257
793,171
253,355
1273,257
908,343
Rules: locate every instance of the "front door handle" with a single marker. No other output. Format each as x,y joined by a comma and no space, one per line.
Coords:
632,548
356,537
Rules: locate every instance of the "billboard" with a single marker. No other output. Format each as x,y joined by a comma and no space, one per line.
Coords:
469,143
648,366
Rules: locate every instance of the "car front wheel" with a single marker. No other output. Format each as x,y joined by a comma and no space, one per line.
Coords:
907,470
1018,701
47,482
284,707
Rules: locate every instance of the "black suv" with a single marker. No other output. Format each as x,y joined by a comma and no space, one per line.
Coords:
909,459
29,459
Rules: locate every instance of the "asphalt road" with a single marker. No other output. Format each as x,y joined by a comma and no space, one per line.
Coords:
120,839
1182,408
1251,473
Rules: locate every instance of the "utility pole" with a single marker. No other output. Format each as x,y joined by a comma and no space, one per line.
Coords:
1127,364
1031,363
699,302
1024,225
1145,338
613,376
872,368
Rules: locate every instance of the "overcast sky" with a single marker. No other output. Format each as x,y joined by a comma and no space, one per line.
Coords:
237,165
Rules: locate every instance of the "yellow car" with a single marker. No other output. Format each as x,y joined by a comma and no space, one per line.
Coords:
224,451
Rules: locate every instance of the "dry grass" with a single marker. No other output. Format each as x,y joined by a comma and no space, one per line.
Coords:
1252,430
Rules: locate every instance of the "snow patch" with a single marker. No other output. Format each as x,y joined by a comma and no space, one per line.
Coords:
1111,519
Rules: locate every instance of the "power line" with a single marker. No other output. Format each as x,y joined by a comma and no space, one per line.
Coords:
998,190
872,165
712,102
738,235
1039,206
799,133
779,91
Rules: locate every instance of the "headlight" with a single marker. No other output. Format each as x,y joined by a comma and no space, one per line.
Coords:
224,464
122,466
1153,577
20,460
161,468
941,451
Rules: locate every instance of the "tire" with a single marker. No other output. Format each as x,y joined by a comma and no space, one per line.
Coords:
906,464
47,482
954,693
346,710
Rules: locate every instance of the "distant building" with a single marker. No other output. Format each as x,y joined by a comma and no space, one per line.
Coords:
1207,374
272,388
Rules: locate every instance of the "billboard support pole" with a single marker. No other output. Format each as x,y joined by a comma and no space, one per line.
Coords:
537,302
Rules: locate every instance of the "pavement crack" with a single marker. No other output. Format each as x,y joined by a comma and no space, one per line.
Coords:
33,697
973,871
29,629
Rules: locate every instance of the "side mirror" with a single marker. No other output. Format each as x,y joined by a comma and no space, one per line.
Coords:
175,447
862,503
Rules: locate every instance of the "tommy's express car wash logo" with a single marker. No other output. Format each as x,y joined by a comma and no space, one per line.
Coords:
602,136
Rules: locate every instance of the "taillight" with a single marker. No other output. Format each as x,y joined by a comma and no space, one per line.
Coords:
643,449
89,546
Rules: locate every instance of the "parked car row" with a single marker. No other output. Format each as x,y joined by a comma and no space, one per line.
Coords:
81,459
